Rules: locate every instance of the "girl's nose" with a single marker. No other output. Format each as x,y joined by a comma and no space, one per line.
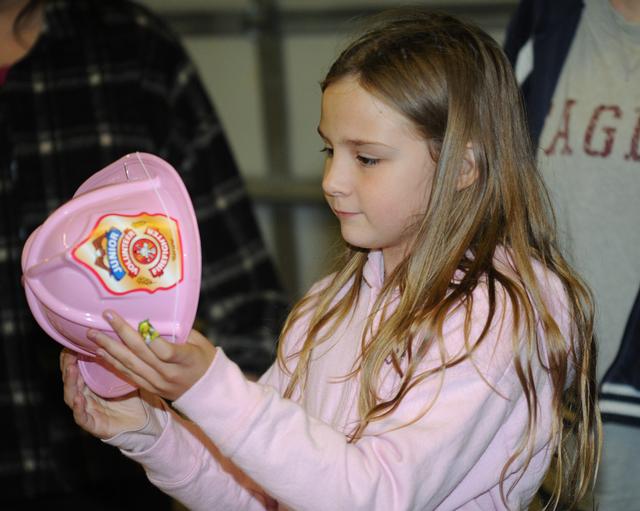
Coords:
335,181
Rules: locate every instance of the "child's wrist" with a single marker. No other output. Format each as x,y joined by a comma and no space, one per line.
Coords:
143,437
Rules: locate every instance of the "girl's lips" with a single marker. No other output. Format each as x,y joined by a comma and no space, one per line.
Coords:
344,214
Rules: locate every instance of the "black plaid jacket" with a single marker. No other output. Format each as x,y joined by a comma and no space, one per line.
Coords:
103,80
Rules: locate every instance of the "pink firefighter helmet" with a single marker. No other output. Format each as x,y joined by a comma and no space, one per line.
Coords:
128,240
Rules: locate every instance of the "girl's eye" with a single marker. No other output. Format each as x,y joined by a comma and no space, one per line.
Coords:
328,151
368,162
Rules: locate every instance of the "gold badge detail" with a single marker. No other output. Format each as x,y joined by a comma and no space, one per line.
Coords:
133,252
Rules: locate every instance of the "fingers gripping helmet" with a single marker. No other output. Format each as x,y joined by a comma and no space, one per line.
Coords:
128,241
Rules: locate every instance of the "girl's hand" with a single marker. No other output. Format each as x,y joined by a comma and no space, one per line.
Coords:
161,367
103,418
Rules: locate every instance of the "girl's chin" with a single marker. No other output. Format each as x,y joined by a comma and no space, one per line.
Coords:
359,242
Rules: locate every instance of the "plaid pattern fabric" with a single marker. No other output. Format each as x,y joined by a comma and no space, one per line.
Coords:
106,79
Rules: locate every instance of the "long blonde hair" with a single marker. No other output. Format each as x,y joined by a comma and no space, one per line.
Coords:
454,83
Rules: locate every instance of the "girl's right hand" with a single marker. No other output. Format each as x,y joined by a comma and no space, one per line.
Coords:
103,418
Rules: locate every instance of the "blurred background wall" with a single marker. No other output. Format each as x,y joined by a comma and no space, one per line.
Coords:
262,61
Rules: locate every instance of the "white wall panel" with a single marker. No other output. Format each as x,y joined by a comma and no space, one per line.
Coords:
316,231
228,69
317,240
307,60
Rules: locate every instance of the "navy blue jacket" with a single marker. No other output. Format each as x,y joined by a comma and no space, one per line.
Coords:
551,24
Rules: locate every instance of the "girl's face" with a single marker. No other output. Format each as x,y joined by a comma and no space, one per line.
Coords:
378,170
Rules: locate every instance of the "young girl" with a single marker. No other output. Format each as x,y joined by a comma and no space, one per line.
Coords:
444,365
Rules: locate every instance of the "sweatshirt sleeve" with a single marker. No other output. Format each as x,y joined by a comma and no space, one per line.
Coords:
184,463
475,415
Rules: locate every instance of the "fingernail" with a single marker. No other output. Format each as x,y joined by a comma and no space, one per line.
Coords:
108,315
100,353
92,334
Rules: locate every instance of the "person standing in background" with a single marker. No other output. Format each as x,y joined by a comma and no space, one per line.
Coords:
579,67
81,84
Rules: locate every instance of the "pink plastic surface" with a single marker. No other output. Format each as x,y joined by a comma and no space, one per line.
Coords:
67,292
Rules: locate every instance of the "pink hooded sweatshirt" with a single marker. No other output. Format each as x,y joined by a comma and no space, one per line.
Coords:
248,448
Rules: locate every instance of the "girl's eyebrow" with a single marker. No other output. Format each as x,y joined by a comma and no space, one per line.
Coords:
355,142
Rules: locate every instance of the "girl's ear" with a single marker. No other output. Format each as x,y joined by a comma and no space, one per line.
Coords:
469,171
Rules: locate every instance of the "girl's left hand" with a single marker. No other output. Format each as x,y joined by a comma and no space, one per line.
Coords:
161,367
